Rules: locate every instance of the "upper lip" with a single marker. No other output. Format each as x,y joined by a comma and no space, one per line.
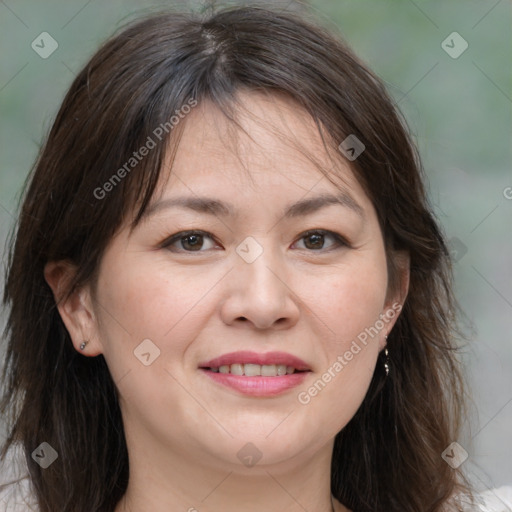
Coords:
247,357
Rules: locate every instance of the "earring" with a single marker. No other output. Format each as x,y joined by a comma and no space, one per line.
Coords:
386,361
83,344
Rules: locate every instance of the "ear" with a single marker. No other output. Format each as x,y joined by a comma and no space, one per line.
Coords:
396,296
76,310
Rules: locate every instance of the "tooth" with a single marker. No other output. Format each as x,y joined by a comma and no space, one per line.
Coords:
237,369
252,370
268,370
281,369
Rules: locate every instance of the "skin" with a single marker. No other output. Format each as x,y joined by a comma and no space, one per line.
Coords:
183,430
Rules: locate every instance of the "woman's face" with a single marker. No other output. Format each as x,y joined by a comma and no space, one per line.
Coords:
167,307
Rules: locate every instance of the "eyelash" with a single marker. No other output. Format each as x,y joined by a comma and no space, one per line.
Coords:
341,241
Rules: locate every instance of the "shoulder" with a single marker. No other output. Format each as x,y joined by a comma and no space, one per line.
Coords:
492,500
497,500
15,487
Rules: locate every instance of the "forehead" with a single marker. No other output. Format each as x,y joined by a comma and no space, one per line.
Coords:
273,147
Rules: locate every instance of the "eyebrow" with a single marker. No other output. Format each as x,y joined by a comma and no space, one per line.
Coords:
219,208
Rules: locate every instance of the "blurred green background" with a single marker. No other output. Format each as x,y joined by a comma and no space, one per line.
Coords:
459,111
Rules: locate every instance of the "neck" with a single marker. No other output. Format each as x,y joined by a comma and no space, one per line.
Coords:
162,480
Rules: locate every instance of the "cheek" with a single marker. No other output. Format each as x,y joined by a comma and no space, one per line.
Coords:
140,302
350,306
143,298
353,298
146,299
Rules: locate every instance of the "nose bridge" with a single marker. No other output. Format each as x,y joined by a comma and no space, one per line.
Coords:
258,290
259,264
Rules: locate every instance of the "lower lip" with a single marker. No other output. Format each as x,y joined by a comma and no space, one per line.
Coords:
258,386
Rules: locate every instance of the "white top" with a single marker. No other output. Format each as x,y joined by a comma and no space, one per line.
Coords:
16,494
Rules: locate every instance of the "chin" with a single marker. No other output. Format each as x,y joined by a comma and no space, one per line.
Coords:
254,448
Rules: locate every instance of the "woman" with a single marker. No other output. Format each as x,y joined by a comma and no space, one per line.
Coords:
227,289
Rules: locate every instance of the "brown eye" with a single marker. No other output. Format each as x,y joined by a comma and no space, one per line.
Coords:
193,241
315,240
189,241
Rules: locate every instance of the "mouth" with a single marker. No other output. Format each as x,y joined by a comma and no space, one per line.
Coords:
252,364
255,370
264,375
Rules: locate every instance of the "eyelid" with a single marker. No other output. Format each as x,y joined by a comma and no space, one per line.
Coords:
183,234
341,240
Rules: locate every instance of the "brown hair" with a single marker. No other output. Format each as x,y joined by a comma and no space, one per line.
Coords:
388,457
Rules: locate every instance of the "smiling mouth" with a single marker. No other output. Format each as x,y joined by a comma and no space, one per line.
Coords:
255,370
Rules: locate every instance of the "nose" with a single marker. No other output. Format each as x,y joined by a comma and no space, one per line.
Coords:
260,294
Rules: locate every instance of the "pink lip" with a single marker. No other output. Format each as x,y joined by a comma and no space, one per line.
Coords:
244,356
257,385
